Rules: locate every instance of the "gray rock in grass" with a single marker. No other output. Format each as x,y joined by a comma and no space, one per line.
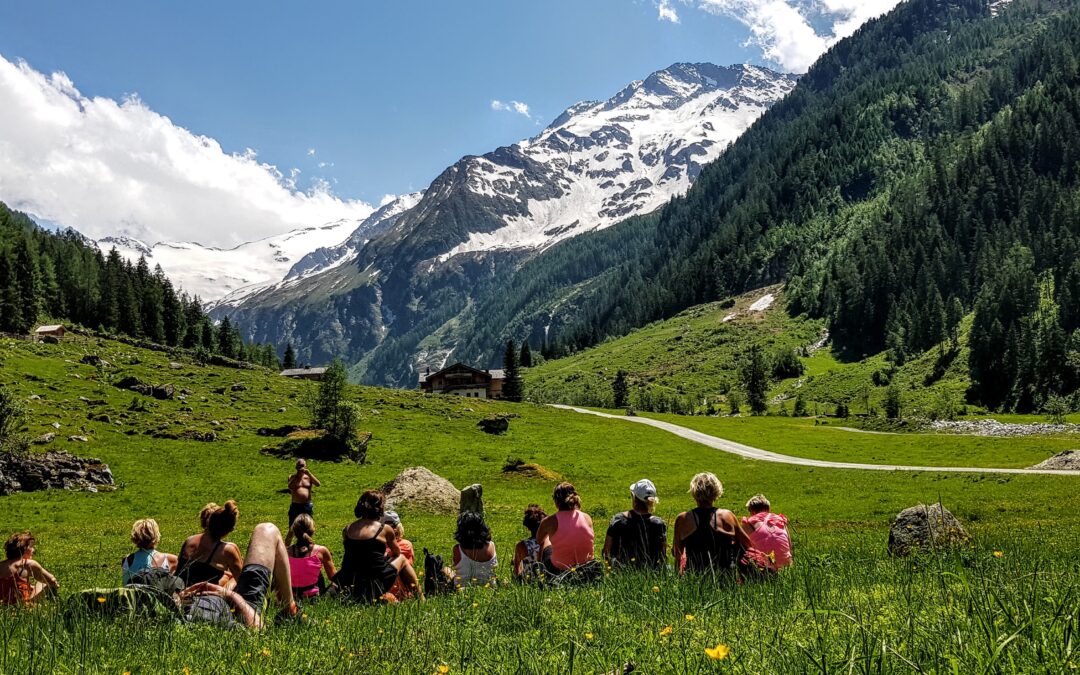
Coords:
925,528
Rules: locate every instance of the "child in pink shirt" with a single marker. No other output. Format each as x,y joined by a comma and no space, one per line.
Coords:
768,531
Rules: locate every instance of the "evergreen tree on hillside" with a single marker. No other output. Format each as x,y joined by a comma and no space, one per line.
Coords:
11,317
620,390
754,379
193,322
26,279
289,361
226,344
525,360
512,389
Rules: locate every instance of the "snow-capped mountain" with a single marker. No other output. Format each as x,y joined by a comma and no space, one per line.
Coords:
394,293
211,273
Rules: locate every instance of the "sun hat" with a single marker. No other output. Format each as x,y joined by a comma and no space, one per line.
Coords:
644,490
391,518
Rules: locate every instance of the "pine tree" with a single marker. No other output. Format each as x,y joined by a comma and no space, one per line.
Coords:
225,344
26,281
525,360
512,389
620,390
754,379
893,403
289,361
11,318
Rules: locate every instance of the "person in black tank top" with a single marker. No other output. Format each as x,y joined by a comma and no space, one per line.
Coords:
206,557
710,539
367,572
637,538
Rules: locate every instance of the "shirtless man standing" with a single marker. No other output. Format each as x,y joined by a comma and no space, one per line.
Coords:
300,485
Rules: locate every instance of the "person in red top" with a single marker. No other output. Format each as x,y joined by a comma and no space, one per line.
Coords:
566,538
768,531
22,579
392,519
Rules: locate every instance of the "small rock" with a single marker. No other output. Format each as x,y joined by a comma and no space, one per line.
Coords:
215,423
217,390
494,425
45,439
79,439
33,397
1066,460
163,392
129,382
239,387
925,527
175,366
101,417
187,408
472,499
55,425
93,360
281,410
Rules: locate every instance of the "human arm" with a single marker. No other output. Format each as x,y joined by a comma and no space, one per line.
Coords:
391,541
732,524
234,562
245,612
548,527
314,481
456,555
520,551
676,539
43,575
327,560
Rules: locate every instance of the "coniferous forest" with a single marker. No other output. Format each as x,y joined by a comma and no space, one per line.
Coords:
61,277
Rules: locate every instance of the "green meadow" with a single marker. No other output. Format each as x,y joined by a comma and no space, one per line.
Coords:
1006,604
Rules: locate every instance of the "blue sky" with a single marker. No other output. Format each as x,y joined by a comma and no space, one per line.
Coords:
385,94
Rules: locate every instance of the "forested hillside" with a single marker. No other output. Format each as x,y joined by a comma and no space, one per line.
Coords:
62,277
923,169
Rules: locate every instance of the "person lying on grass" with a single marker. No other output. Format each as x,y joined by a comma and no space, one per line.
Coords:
566,538
308,560
768,531
392,519
367,573
207,556
267,562
146,536
475,559
22,579
637,538
527,551
710,538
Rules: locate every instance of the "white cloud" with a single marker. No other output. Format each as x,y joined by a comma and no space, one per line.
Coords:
783,29
110,167
311,152
665,12
513,106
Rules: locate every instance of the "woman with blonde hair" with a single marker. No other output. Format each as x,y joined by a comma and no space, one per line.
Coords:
146,536
710,538
308,560
207,557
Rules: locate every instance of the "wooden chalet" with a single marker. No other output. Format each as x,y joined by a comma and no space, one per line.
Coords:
462,380
304,373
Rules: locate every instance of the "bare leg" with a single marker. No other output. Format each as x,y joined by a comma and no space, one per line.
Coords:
267,548
407,575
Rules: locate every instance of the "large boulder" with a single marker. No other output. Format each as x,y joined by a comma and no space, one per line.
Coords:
420,489
494,425
1066,460
29,472
925,527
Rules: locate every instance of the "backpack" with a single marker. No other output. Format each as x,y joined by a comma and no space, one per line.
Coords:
436,580
132,601
158,579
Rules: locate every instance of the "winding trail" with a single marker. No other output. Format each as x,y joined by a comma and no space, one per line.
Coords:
764,455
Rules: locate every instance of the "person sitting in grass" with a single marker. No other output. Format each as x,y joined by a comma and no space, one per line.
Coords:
710,538
207,556
566,538
392,519
768,531
308,560
527,551
474,554
146,536
22,579
267,563
637,538
301,485
367,573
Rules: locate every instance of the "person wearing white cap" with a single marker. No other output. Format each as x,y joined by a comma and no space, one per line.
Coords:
637,538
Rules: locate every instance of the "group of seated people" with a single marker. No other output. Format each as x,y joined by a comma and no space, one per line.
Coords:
221,585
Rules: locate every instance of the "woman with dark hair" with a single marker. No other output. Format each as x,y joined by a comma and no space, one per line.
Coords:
207,557
367,571
527,551
308,560
475,559
566,538
22,579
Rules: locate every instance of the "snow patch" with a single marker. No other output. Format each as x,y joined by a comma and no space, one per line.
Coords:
762,303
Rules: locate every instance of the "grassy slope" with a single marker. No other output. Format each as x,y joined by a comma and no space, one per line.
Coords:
839,517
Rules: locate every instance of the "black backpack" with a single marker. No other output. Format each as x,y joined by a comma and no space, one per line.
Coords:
436,580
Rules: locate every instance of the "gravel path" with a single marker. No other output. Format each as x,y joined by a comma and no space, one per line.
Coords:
766,456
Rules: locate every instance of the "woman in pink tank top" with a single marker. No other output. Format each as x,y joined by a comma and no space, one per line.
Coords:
566,538
307,560
768,531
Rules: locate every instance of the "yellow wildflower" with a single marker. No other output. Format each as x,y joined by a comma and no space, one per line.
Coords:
588,636
475,605
655,589
718,652
442,668
689,617
666,630
999,554
100,599
265,652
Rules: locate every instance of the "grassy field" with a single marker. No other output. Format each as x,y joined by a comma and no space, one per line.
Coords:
845,605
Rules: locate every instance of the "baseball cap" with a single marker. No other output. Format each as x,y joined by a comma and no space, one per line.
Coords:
644,490
391,518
